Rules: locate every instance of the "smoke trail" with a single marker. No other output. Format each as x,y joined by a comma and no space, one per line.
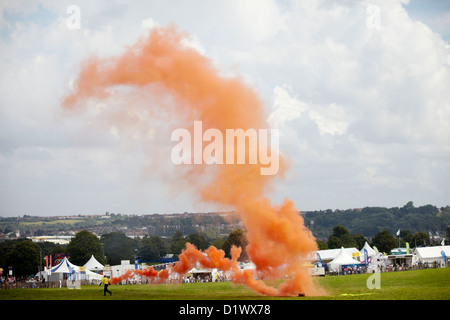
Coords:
158,76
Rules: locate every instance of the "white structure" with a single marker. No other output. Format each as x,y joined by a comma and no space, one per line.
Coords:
342,259
370,252
433,254
94,265
63,240
67,268
120,269
329,254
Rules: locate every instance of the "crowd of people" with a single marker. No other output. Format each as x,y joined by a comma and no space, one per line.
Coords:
345,270
9,282
393,267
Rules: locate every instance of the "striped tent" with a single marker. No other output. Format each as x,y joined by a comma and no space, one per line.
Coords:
65,267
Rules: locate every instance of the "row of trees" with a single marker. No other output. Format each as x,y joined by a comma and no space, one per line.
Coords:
370,220
25,257
384,240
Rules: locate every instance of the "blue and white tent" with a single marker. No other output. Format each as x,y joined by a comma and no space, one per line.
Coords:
65,267
74,271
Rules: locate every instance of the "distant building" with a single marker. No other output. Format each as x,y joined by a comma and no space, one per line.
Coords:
63,240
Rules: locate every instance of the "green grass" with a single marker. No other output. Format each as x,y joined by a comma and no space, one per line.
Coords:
408,285
431,284
52,222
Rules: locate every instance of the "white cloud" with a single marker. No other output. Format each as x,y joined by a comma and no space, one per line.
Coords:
285,107
331,119
149,23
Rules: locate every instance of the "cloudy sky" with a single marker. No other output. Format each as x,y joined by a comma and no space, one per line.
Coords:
360,91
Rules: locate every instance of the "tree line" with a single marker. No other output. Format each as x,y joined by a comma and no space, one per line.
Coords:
25,257
384,240
368,221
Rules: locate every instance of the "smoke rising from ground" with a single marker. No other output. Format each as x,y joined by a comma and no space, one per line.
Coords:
161,79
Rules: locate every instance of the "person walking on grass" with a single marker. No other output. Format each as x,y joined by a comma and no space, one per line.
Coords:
106,283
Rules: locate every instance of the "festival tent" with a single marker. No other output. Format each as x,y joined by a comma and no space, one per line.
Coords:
65,266
69,268
201,273
93,264
89,275
433,253
342,259
329,254
370,251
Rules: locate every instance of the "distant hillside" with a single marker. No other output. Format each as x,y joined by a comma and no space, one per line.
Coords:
165,225
370,220
366,221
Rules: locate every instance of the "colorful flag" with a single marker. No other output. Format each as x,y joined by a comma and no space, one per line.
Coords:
319,260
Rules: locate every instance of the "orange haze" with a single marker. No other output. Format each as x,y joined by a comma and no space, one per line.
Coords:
160,68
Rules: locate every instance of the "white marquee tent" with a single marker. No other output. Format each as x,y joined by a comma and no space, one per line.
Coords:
93,264
433,253
343,258
370,251
329,254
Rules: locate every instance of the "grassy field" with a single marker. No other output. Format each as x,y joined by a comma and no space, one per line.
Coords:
52,222
408,285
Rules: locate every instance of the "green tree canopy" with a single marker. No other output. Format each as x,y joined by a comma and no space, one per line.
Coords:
24,258
118,247
341,237
384,241
236,238
177,243
83,246
197,240
421,239
151,249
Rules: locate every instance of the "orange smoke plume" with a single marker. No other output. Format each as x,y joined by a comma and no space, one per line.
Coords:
161,75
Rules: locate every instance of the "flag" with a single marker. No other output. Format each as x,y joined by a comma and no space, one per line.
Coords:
319,260
407,247
443,242
398,232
